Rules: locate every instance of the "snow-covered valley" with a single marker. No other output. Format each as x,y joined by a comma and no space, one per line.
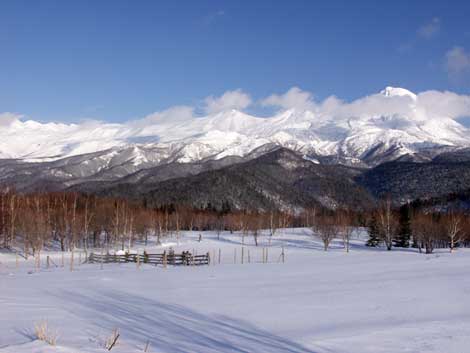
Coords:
234,176
367,300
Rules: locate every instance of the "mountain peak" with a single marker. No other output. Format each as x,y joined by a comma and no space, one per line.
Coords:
397,92
232,120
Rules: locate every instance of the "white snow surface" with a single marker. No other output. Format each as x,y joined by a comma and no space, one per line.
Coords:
367,300
393,117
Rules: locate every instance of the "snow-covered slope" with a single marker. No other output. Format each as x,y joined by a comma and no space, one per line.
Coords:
392,123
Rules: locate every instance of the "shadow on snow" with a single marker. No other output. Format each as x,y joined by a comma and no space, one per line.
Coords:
175,328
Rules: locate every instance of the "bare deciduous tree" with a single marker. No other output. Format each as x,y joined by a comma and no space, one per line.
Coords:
454,228
387,222
427,228
326,228
346,228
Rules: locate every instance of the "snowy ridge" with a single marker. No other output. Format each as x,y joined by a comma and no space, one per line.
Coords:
395,120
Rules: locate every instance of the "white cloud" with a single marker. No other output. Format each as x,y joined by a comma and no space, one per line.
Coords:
444,104
171,115
369,106
423,106
7,118
293,98
431,29
229,100
457,61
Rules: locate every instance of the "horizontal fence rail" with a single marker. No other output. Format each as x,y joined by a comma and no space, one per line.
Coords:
185,258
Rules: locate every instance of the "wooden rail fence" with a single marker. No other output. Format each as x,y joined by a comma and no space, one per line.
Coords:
170,258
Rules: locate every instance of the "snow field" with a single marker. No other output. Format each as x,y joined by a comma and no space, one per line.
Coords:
367,300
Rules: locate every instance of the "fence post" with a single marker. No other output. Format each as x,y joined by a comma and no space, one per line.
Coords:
164,259
235,256
17,261
283,255
208,258
243,253
47,261
267,255
63,259
262,260
249,260
220,255
138,260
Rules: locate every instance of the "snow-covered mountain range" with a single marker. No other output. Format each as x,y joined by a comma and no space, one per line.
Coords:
394,123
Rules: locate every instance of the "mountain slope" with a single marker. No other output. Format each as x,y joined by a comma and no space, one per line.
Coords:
278,179
407,181
269,177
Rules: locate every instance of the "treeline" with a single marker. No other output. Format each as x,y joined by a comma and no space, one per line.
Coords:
413,225
74,220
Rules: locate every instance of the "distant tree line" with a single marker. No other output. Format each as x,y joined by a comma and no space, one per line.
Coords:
73,220
413,225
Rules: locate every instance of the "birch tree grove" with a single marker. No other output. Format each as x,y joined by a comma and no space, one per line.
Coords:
68,220
72,220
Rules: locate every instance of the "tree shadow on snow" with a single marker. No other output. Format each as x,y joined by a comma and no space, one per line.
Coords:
173,328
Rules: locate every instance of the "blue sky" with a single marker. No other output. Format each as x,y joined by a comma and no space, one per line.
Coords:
120,60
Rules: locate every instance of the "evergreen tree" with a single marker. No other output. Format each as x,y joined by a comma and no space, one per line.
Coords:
403,237
225,207
373,230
